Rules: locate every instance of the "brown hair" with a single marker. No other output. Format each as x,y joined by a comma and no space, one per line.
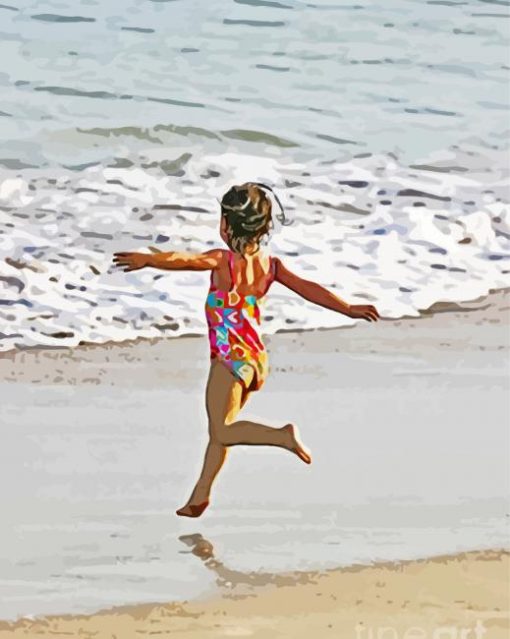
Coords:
247,210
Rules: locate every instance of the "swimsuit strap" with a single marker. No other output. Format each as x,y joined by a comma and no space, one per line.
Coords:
231,269
272,273
272,266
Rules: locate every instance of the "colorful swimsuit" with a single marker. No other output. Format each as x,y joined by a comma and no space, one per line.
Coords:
233,319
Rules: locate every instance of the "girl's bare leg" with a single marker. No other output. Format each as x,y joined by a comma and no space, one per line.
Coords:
224,400
216,452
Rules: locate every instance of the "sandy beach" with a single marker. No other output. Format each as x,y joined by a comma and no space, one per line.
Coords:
380,132
395,524
439,597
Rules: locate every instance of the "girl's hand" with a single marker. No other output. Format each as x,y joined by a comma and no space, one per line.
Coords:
362,311
131,261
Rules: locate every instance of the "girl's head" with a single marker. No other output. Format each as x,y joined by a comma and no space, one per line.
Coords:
246,216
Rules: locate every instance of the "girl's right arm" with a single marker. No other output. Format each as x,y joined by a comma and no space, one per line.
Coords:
317,294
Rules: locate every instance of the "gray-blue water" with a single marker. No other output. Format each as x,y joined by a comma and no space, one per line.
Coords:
383,127
322,80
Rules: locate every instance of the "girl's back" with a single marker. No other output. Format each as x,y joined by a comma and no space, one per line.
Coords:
247,274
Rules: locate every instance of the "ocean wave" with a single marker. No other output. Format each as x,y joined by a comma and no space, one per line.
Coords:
253,23
369,229
162,133
55,17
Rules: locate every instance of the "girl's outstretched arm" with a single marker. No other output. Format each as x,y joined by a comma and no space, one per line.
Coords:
172,261
317,294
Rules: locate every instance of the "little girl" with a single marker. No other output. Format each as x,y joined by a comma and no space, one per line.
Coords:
240,277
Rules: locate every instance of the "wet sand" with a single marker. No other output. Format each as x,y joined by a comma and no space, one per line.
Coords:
408,423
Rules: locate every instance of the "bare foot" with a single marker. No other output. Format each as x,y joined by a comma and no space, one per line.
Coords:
192,510
297,445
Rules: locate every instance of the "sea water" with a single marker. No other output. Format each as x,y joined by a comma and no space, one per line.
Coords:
382,127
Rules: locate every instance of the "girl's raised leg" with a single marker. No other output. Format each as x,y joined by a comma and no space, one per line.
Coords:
246,432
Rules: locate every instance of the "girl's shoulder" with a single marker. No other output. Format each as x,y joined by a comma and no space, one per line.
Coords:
217,256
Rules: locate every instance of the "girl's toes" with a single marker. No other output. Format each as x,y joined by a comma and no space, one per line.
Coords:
303,455
297,446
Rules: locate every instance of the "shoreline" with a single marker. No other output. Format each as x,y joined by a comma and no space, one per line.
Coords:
484,302
493,310
454,590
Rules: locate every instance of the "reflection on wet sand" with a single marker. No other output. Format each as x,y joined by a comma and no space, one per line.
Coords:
228,578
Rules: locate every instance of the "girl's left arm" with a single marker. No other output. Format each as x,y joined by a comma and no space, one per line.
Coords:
319,295
172,261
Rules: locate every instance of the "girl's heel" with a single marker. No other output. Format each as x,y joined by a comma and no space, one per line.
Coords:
191,510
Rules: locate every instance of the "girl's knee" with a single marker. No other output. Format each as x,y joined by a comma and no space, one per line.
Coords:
218,431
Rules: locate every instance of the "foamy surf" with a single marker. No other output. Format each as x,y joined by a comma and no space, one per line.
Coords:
370,228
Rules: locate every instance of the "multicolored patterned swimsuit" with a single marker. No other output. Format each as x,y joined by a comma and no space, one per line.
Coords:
233,319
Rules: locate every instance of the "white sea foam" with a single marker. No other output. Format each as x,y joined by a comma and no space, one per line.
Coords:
369,229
